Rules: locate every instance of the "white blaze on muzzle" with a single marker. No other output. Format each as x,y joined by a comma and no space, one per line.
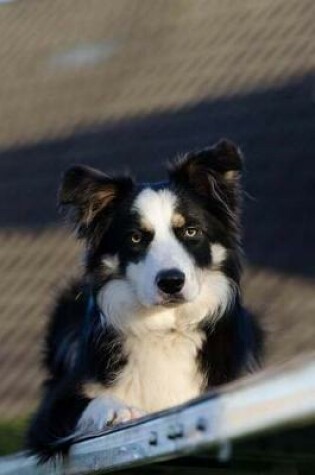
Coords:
156,209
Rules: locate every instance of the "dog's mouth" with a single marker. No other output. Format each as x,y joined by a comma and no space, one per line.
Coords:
171,300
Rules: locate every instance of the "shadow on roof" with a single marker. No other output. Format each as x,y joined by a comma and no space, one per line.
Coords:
275,128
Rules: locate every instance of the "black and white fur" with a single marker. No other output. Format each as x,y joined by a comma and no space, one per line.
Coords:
157,318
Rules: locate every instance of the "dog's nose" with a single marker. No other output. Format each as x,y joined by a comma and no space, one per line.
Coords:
170,281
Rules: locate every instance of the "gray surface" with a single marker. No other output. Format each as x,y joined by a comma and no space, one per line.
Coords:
130,84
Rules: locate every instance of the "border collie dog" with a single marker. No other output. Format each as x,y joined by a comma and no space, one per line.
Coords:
157,318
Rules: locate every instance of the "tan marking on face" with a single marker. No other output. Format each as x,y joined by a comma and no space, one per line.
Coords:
110,265
145,225
178,220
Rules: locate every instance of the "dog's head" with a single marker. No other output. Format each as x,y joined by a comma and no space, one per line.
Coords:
156,247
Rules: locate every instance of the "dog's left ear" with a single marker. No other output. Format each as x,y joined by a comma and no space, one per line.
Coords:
213,171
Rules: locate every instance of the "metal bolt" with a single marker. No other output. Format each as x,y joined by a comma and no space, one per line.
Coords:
175,431
153,438
201,424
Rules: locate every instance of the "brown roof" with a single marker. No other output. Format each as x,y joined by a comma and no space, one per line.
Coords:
129,84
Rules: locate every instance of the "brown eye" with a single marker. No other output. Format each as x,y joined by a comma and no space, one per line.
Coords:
136,237
191,232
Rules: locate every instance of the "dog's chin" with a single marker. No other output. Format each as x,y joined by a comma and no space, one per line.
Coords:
173,301
161,300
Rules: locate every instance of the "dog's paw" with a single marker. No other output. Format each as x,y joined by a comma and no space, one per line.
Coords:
104,412
126,414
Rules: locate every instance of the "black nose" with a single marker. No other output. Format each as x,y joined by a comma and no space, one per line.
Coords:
170,281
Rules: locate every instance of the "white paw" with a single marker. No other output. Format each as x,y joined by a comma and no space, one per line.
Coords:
126,414
104,412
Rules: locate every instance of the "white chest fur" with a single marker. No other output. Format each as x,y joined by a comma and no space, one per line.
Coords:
161,372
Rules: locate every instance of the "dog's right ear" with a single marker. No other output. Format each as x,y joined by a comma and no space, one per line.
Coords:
86,193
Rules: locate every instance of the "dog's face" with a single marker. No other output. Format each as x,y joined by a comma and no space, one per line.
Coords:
163,246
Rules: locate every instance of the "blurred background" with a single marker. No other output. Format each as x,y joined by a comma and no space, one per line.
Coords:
128,84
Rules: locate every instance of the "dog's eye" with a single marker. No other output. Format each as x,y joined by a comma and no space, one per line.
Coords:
136,237
191,232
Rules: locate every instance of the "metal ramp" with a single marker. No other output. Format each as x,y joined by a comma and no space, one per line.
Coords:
262,424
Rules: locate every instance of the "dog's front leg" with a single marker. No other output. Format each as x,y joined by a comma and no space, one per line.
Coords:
104,412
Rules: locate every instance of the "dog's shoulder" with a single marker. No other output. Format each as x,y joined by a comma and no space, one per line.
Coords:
64,329
232,347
